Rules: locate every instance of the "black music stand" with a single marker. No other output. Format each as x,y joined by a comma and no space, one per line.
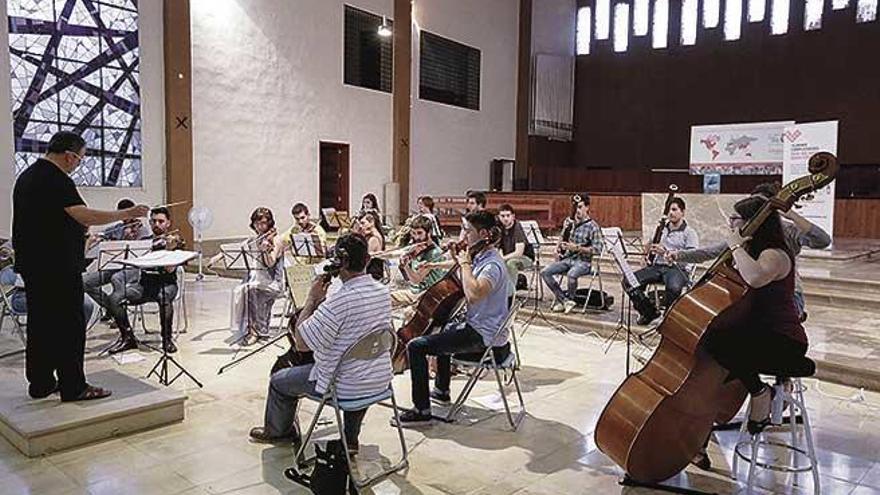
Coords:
241,257
619,254
155,262
534,237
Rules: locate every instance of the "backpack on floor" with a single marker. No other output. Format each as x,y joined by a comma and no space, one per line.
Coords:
330,475
596,298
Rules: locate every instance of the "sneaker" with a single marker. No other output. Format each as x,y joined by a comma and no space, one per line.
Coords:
412,418
441,397
568,306
259,435
170,346
557,307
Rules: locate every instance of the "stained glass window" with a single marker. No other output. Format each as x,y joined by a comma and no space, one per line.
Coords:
74,66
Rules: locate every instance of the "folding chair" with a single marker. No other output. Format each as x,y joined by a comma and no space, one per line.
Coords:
179,307
369,347
19,322
487,362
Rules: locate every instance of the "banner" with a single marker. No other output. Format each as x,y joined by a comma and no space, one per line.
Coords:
800,142
737,149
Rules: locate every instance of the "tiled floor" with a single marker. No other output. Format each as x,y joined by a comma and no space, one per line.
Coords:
567,379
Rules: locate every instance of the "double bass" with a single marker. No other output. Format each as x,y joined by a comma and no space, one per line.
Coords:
660,416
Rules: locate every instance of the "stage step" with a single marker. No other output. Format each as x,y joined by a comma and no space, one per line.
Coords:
38,427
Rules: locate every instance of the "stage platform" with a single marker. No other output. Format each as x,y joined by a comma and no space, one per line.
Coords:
38,427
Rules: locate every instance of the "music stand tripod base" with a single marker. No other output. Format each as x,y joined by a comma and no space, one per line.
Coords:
160,369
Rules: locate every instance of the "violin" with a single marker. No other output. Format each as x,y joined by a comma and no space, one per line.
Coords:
660,416
169,241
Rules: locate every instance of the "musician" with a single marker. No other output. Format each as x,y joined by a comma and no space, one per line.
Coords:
328,327
677,235
417,267
484,278
797,230
49,223
585,240
302,225
369,203
772,338
516,250
425,206
370,226
252,300
134,286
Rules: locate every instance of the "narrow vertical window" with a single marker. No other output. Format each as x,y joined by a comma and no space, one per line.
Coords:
779,16
733,12
621,27
711,13
757,10
584,30
660,24
640,17
813,14
688,22
603,19
866,11
839,4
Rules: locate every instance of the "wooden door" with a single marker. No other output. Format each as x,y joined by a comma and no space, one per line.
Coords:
333,189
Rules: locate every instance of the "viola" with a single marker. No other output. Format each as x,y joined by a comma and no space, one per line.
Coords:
660,416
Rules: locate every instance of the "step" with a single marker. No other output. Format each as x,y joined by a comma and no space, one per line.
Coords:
38,427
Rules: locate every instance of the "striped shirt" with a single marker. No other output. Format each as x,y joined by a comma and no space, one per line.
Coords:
360,307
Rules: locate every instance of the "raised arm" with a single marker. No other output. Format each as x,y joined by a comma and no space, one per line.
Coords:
88,217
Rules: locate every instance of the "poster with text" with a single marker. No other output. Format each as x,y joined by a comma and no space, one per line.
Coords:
737,149
800,142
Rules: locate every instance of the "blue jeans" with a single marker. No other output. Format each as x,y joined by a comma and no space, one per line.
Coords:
573,268
286,387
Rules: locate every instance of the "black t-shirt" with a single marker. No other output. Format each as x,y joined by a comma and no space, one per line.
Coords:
513,235
45,238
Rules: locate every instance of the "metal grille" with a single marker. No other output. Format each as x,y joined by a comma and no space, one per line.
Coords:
449,72
368,56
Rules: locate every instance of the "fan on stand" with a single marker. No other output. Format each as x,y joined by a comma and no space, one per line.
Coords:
200,218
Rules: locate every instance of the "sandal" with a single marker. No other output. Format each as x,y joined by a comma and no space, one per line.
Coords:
90,393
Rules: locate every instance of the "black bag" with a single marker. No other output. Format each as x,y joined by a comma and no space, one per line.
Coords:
522,283
596,298
330,475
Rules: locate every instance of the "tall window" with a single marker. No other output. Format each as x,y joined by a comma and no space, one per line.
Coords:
711,13
640,17
368,56
688,22
839,4
779,16
660,24
866,11
584,30
621,27
757,10
449,72
813,14
77,69
733,11
603,19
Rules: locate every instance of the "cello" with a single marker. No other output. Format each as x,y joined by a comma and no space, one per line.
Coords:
660,416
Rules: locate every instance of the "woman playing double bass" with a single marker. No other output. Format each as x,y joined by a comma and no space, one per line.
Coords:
772,337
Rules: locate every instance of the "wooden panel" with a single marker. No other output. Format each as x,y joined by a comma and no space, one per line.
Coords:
401,101
523,91
857,218
178,113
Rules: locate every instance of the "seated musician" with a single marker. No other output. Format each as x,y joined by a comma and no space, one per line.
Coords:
328,327
415,264
516,250
576,254
484,279
125,230
425,206
369,203
677,235
771,339
252,300
797,230
303,224
370,226
133,286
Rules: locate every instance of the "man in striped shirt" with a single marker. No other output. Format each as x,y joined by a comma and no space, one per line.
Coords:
328,327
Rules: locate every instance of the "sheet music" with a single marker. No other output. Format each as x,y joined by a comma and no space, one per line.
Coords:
307,245
159,259
533,232
613,237
109,253
240,256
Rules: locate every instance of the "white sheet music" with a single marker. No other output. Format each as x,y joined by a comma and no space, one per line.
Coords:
613,237
307,245
533,232
159,259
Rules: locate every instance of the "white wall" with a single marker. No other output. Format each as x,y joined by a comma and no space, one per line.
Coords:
152,112
267,87
452,146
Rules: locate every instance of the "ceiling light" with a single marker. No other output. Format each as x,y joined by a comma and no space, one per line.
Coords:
384,30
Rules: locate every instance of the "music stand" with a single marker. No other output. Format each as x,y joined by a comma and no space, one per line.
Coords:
157,261
243,257
110,257
307,246
619,253
534,237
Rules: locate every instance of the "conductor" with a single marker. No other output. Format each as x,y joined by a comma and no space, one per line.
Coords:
48,234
